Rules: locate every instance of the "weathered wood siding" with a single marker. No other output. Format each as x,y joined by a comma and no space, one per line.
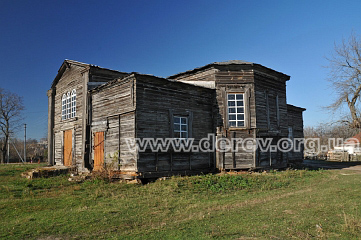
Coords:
78,76
97,74
295,121
272,121
113,112
265,110
271,107
205,78
72,78
232,79
157,101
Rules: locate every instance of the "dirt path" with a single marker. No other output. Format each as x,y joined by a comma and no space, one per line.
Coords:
354,166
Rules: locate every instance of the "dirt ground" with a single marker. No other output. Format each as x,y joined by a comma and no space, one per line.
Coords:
354,166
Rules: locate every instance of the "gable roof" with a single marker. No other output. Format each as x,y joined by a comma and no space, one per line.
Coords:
150,77
66,64
228,63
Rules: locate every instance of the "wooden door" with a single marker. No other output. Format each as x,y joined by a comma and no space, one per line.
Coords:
68,147
98,151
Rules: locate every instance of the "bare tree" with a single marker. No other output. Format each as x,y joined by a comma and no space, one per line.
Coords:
325,131
345,78
11,106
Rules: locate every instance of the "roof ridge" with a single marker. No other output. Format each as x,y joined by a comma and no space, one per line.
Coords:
229,62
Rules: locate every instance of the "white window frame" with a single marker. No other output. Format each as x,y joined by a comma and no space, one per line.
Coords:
63,107
68,105
180,126
236,110
73,103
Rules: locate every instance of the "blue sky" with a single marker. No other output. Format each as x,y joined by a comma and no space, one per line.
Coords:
166,37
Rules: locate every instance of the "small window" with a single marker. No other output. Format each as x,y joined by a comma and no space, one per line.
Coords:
235,103
180,127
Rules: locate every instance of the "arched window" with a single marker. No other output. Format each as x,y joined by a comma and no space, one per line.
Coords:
68,105
63,107
73,103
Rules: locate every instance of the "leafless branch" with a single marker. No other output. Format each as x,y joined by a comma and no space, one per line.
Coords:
345,78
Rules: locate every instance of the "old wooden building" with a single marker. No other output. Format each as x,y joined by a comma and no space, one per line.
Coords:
96,116
252,104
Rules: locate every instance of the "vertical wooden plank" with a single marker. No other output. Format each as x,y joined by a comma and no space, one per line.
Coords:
233,135
190,124
190,160
156,161
277,111
67,148
171,123
119,134
247,107
98,151
267,111
171,160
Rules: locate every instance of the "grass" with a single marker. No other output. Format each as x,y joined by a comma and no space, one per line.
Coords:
294,204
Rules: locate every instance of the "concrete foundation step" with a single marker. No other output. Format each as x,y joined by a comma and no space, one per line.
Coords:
47,172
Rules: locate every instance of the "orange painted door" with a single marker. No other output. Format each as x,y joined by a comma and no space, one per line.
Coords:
68,145
98,151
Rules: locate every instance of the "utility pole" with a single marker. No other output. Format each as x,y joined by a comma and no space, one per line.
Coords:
24,142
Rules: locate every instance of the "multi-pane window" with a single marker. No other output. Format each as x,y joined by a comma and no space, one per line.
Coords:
180,127
235,103
68,105
73,103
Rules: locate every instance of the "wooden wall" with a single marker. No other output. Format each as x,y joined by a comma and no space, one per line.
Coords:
266,110
142,106
157,101
272,120
71,79
113,112
74,75
232,79
295,121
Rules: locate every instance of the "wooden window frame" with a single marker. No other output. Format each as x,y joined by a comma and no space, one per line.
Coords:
188,115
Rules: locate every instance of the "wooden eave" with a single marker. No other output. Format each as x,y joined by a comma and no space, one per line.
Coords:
66,64
250,65
295,108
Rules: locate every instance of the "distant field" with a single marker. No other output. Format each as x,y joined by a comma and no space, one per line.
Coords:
278,205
